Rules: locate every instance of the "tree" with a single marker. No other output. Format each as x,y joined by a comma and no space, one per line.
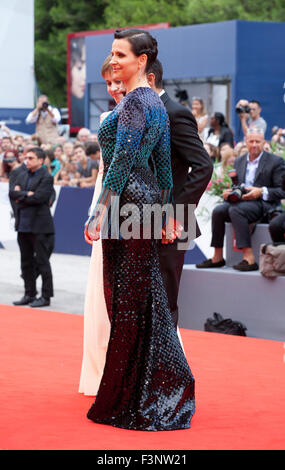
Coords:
54,19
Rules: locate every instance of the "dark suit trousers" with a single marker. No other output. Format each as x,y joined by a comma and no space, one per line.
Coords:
240,214
35,253
171,264
277,228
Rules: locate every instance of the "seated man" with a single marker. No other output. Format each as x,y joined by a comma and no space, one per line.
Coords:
262,174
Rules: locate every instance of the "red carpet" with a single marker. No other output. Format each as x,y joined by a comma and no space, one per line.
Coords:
240,390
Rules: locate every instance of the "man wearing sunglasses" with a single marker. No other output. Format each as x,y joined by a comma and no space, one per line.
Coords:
32,192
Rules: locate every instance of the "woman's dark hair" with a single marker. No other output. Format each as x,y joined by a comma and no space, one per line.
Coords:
7,160
221,119
40,153
76,49
142,42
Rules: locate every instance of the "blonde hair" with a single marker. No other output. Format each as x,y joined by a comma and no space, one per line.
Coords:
106,67
228,153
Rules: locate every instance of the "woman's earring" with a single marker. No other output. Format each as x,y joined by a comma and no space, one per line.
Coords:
140,75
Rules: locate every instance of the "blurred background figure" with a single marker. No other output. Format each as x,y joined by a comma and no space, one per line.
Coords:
46,119
201,116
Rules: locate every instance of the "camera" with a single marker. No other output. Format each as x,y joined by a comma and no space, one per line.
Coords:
242,109
238,190
45,105
283,183
237,193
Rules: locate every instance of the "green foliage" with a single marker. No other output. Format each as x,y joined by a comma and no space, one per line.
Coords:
54,19
219,183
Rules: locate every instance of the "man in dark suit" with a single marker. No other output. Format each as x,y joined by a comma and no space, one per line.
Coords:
262,174
191,169
32,192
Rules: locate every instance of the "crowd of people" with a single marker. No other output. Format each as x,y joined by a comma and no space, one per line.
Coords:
75,162
71,162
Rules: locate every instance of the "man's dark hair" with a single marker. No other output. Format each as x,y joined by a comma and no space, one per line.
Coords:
92,148
157,69
256,102
38,151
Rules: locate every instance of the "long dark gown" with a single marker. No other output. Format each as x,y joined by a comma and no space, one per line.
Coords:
147,383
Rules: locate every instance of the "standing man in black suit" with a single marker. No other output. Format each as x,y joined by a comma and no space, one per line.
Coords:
191,169
262,174
32,192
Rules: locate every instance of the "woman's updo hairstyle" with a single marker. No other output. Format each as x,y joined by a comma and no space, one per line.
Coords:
142,42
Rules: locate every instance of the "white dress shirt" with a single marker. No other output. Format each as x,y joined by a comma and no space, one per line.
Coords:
251,168
56,116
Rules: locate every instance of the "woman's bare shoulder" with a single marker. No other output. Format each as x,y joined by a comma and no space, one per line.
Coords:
104,115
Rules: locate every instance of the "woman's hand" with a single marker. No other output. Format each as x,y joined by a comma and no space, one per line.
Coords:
172,231
92,230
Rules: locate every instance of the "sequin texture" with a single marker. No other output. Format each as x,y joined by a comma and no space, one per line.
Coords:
147,383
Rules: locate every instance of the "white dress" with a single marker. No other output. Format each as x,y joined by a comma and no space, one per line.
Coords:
96,322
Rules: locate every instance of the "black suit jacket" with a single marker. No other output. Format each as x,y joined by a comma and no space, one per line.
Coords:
269,173
42,187
187,152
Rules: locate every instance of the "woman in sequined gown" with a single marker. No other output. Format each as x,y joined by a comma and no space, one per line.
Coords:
147,383
96,322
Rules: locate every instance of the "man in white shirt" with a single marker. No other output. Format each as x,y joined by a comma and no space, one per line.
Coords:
46,119
262,173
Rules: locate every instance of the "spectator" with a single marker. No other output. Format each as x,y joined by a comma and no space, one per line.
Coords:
6,143
227,161
213,152
62,178
240,148
72,171
279,136
253,118
87,168
46,119
93,138
93,151
219,131
68,149
58,154
12,168
83,135
200,114
52,163
9,163
262,173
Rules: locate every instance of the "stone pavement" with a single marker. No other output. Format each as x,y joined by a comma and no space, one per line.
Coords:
70,274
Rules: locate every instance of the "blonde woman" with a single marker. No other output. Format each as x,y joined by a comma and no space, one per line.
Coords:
96,321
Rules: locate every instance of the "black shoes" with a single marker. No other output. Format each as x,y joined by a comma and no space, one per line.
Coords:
208,263
245,266
26,300
40,302
33,301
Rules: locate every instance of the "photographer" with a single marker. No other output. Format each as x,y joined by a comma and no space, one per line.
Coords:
262,174
249,114
46,119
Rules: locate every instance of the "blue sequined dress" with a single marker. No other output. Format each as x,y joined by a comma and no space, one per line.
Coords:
147,383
